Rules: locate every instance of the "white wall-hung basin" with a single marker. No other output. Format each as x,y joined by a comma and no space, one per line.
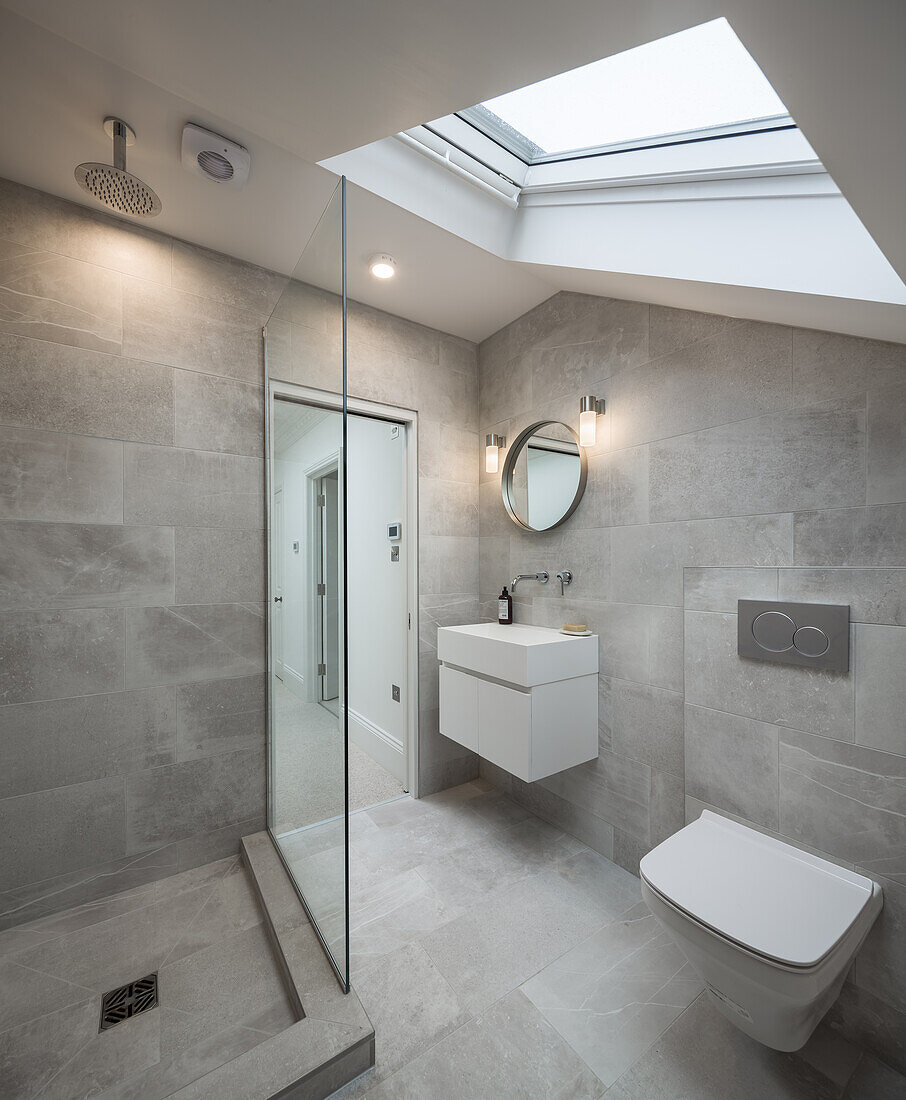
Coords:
523,697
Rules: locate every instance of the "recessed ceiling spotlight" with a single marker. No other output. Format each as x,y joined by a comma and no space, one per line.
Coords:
382,266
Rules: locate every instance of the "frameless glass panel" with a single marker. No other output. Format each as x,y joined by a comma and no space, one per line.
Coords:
699,78
307,737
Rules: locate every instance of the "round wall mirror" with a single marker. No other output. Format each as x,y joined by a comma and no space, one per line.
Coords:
544,476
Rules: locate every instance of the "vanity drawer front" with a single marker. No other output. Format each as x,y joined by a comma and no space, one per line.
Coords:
504,728
459,707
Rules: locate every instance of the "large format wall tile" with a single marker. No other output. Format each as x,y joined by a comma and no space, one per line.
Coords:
784,695
177,645
615,788
51,297
57,654
851,536
829,364
220,716
845,799
648,725
174,802
874,595
85,565
806,458
887,444
447,508
648,561
186,488
67,389
731,762
881,687
49,832
224,279
448,563
219,566
61,741
673,329
218,414
58,478
186,330
717,589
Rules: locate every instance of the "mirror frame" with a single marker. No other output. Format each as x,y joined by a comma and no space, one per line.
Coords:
509,466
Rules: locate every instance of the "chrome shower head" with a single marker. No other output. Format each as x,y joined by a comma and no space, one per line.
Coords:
111,184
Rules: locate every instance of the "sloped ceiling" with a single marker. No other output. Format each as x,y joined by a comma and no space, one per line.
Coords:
315,79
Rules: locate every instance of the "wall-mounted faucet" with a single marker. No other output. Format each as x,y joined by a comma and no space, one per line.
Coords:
565,577
543,577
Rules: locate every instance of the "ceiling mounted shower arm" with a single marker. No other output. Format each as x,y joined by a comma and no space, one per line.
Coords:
120,133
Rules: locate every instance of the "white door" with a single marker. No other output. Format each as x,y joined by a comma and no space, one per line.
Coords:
279,582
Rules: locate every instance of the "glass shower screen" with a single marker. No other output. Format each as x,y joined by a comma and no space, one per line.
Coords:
307,803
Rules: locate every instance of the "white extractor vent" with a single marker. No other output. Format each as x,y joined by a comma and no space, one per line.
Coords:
214,157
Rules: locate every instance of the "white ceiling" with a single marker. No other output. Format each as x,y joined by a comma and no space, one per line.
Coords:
300,81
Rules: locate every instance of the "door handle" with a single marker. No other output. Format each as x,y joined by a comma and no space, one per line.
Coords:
278,599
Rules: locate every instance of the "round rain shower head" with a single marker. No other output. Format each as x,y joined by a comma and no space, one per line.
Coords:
111,184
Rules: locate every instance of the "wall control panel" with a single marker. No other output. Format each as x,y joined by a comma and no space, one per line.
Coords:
814,635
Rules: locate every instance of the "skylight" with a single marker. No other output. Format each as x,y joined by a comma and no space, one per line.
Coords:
700,79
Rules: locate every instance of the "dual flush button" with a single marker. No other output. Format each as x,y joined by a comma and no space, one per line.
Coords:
813,635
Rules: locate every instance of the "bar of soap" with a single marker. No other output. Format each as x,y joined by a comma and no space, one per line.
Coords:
575,628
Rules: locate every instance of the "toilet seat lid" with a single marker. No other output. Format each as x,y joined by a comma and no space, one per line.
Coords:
770,897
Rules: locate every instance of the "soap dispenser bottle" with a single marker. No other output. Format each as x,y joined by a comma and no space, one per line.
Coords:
504,607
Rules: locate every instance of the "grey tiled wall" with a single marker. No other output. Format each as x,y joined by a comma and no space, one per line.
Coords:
131,522
735,460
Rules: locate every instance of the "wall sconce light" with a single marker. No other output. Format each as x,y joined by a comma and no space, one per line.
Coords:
492,446
589,410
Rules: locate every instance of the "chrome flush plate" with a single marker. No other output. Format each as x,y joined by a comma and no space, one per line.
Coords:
813,635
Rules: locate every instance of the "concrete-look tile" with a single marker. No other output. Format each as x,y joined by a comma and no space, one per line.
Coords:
881,962
447,452
230,908
218,414
784,695
495,807
303,304
65,389
591,881
509,1050
587,553
447,508
168,485
505,388
410,1005
220,716
215,844
741,372
53,832
717,589
178,645
672,329
58,654
173,802
163,325
219,566
887,444
666,812
50,477
493,566
459,354
804,458
845,799
613,995
573,368
613,787
665,648
648,561
579,822
375,373
28,994
648,725
706,1057
732,762
850,536
874,595
831,1055
52,743
51,297
32,1054
375,328
501,940
225,279
448,563
865,1019
829,364
881,687
447,396
875,1080
64,565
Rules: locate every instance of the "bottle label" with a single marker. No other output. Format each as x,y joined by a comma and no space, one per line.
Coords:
503,609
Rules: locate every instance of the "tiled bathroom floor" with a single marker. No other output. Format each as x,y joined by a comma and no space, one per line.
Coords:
220,990
498,957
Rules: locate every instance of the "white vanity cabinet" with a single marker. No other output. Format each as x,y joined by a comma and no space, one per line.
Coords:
523,697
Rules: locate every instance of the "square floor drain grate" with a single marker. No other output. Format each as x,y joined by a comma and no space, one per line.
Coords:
129,1000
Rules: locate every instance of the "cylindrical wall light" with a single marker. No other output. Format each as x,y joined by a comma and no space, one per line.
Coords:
589,409
492,446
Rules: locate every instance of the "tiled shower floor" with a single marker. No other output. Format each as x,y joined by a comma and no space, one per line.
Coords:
498,957
220,990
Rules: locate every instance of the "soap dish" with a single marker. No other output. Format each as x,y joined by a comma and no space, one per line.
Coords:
577,633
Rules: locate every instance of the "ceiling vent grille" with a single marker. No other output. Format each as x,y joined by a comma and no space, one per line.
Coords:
214,157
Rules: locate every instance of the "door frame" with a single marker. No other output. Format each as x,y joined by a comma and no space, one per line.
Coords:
314,475
333,402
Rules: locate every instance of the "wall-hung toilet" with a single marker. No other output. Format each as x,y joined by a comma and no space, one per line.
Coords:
770,929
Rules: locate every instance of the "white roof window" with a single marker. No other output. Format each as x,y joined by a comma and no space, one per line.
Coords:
697,84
